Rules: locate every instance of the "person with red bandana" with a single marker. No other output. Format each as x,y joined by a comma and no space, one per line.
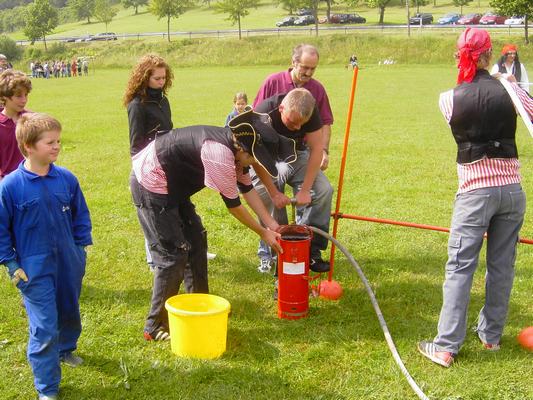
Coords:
489,200
510,67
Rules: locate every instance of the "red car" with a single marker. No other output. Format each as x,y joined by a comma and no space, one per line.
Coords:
469,19
492,19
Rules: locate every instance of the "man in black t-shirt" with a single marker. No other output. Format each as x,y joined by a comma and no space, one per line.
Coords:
295,115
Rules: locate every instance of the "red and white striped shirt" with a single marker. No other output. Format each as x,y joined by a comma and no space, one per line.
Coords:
221,173
487,172
148,170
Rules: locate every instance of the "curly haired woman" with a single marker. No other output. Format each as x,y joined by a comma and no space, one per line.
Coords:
146,101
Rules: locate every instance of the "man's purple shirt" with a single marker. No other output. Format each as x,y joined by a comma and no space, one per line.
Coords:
281,82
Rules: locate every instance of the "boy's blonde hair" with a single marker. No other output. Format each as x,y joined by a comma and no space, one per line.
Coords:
31,126
13,82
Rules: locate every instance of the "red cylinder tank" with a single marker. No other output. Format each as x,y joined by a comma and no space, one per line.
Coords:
293,272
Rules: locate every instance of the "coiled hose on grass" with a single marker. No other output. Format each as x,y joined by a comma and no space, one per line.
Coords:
375,304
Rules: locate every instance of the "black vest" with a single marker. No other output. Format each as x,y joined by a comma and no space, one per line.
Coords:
179,153
483,121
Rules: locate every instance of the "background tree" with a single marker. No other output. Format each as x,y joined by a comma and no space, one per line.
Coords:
104,12
461,3
313,6
418,3
82,9
13,19
236,9
134,4
381,5
290,5
9,48
169,9
515,7
41,19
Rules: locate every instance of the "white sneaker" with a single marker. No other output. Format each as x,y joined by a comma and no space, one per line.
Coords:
211,256
45,397
265,266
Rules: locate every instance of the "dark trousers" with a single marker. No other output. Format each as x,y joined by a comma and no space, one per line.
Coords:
178,245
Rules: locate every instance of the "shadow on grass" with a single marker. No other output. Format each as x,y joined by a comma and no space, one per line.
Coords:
187,379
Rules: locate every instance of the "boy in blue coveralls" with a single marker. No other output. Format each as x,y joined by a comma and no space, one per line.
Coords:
44,228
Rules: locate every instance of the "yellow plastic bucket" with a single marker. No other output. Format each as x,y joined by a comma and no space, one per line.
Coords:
198,325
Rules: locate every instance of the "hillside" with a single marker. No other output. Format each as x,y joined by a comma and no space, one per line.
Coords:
265,16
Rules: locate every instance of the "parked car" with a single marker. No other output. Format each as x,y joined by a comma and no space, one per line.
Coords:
83,39
425,18
287,21
492,19
515,20
304,11
304,20
346,19
469,19
102,36
450,18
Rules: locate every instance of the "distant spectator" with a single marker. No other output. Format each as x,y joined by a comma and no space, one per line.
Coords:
353,61
74,67
4,64
85,66
240,101
79,67
510,67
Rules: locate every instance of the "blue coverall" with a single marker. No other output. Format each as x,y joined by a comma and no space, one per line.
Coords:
44,226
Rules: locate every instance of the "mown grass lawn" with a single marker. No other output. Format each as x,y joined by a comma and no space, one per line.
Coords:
400,166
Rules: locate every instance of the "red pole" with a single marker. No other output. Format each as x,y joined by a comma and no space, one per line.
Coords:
343,165
408,224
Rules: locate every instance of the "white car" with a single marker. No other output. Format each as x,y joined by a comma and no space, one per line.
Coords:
515,20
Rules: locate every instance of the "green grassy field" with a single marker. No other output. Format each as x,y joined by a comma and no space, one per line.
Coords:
264,16
400,166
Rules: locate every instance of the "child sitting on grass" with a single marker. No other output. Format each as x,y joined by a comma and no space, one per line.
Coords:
44,228
14,89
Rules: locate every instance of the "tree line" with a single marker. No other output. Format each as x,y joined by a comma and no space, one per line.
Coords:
41,17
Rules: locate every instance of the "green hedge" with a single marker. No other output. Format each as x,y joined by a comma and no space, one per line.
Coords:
269,50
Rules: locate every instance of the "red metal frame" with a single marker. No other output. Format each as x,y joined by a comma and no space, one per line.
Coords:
337,215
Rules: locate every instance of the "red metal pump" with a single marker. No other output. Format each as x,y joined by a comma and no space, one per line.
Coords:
293,271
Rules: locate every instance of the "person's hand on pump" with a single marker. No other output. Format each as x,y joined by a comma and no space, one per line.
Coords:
280,200
303,197
16,273
271,238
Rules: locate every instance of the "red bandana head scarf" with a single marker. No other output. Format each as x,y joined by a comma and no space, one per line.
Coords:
471,44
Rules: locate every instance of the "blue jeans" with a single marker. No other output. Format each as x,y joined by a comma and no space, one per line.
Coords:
499,212
316,214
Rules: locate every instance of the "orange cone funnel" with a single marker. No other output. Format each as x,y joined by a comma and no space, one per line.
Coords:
525,338
330,290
